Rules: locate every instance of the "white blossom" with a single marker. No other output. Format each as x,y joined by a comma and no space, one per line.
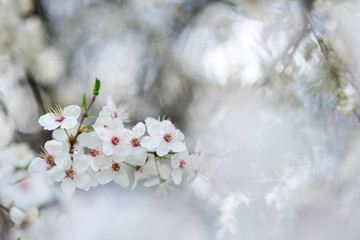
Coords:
58,117
53,155
72,175
184,163
163,137
114,170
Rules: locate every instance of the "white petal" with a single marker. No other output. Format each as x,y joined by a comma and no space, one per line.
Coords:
153,127
57,173
100,162
137,156
48,122
103,133
116,123
177,175
108,148
151,182
175,161
191,178
82,181
68,187
139,129
16,215
179,136
68,122
122,179
53,146
177,146
162,149
105,114
63,159
81,163
90,140
105,176
72,111
37,165
149,143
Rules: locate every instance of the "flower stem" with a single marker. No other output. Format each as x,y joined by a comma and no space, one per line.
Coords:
67,134
78,132
157,169
130,165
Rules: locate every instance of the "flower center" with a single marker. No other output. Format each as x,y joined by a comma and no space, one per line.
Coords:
115,141
94,153
57,112
70,173
182,164
60,119
49,159
135,142
115,115
168,137
116,167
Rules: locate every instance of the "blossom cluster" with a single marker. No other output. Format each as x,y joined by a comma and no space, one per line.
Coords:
80,157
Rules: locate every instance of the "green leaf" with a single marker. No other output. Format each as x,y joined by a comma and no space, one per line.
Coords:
84,102
97,87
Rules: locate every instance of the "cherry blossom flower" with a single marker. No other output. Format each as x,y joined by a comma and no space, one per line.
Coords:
112,136
95,144
58,117
114,170
184,163
53,155
136,154
163,137
72,174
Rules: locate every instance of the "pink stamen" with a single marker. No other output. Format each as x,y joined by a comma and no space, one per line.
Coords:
167,137
115,141
116,167
115,115
49,159
60,119
70,173
135,142
182,164
94,153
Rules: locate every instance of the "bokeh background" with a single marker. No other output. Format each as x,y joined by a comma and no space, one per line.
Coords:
269,87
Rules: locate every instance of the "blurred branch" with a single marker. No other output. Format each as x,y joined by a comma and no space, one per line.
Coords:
36,91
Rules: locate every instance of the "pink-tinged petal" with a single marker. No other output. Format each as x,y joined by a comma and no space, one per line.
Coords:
68,122
81,163
82,181
37,165
162,149
149,143
105,176
57,173
108,148
63,159
53,147
177,146
139,129
177,175
103,133
137,156
72,111
48,122
68,187
122,179
175,161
